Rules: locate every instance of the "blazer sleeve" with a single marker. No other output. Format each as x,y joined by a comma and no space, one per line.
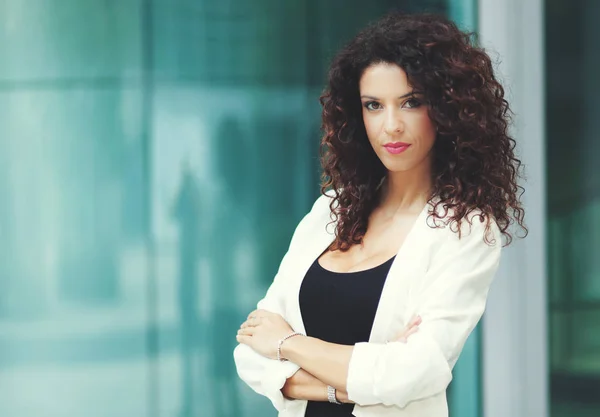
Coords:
396,373
267,376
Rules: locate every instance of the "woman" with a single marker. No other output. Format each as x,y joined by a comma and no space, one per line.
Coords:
388,274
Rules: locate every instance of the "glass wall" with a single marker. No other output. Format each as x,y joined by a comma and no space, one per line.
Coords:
573,88
155,157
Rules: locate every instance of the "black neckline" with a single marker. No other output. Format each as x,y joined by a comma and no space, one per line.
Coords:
355,272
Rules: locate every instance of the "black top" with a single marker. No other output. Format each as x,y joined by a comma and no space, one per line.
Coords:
340,307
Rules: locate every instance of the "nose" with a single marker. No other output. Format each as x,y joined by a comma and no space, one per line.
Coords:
393,123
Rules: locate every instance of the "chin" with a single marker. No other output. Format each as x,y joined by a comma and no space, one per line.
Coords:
408,163
397,166
395,169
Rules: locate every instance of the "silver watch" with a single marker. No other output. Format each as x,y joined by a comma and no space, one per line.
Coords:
331,395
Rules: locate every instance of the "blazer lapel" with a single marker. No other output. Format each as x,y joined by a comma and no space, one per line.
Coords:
396,288
320,240
404,269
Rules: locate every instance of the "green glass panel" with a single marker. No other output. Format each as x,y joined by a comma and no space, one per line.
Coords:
573,205
155,157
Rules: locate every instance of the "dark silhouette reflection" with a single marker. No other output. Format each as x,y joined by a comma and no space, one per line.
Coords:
188,214
229,230
277,138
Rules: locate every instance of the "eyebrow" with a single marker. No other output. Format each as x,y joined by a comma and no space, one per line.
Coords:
412,93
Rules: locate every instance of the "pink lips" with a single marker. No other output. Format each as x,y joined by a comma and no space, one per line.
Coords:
396,147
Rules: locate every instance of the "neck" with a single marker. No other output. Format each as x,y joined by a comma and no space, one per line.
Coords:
406,191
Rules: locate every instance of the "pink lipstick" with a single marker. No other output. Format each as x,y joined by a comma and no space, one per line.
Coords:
396,147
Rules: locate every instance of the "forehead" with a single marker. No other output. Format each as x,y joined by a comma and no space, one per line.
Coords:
384,79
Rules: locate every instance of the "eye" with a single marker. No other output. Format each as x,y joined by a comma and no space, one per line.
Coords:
412,103
372,105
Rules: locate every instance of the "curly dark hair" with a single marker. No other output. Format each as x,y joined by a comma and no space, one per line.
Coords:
474,165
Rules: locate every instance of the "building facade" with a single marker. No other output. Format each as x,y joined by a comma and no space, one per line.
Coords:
121,288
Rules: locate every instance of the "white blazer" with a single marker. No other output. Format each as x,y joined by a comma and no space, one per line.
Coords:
435,274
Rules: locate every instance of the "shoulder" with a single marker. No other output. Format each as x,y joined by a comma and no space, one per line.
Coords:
476,227
469,254
323,203
316,219
321,207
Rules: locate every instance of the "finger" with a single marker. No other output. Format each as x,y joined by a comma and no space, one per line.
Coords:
415,321
262,313
252,322
404,332
412,330
245,340
408,329
259,313
405,336
248,331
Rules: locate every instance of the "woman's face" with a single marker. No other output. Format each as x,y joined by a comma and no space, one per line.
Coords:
396,118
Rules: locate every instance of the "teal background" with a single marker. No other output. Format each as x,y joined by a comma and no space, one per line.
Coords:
573,205
155,157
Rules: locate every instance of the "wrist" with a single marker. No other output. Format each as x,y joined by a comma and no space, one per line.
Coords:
281,351
332,395
289,346
342,397
304,386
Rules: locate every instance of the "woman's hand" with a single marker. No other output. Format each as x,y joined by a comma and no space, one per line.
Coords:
304,386
411,328
262,331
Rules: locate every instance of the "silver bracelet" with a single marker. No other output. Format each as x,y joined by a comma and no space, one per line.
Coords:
331,395
280,342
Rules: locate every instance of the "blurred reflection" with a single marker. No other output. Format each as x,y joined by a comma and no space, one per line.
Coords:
573,205
233,82
229,227
188,215
277,137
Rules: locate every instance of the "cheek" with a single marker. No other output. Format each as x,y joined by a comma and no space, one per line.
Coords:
372,126
366,122
431,135
426,129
